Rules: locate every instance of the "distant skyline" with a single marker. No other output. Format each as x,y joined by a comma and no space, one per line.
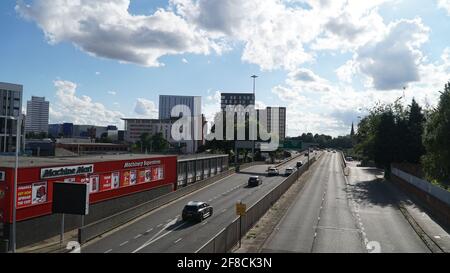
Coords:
326,61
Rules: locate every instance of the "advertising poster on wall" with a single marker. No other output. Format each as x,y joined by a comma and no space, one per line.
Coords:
24,195
125,178
133,177
148,175
115,180
94,182
158,173
161,173
39,195
32,194
141,177
105,182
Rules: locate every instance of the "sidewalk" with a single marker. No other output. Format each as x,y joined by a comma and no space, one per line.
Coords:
51,245
433,231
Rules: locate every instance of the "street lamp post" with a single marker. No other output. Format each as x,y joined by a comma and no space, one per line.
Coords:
16,167
254,97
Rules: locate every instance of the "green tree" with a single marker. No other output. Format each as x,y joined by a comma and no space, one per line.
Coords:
158,143
436,162
416,122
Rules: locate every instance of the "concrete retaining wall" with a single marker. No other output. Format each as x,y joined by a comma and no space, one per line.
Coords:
434,199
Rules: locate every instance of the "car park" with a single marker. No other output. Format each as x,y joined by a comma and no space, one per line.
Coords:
254,181
197,211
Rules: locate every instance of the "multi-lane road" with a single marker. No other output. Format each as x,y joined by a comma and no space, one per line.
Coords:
357,213
163,230
334,213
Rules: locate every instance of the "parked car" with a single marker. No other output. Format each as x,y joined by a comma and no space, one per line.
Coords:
349,158
273,172
254,181
197,211
299,164
289,171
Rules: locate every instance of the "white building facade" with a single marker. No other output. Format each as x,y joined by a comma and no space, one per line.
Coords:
37,115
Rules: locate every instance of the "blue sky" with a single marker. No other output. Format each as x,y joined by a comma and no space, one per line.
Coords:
113,59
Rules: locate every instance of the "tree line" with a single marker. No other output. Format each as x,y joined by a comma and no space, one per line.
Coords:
393,133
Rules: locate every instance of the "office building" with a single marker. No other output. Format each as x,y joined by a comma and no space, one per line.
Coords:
10,110
134,128
37,115
191,103
244,99
275,118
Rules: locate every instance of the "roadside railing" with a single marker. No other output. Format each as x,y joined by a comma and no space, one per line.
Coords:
228,237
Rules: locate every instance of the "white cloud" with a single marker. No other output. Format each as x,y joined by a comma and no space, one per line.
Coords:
69,107
97,73
393,61
146,108
444,4
112,93
273,33
105,28
307,81
184,61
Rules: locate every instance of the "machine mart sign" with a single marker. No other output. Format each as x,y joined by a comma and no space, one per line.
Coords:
66,171
141,164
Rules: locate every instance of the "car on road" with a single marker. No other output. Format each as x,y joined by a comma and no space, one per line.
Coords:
254,181
349,158
273,172
299,164
289,171
197,211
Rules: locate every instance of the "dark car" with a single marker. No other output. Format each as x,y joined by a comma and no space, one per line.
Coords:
254,181
299,164
197,211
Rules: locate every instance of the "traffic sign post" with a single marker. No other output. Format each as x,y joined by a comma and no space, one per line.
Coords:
241,210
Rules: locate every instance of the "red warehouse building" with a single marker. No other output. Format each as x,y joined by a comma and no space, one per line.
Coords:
116,182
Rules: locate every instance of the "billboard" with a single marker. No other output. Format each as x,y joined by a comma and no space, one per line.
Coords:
70,198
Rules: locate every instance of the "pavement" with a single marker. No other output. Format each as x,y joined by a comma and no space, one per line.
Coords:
163,231
358,213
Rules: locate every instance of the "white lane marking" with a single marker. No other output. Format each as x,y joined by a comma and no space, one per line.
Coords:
149,230
177,241
160,225
209,200
138,236
204,223
108,251
124,243
224,210
437,237
157,236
